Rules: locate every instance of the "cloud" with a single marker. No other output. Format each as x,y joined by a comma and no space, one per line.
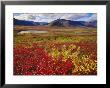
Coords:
48,17
93,17
22,16
74,16
68,16
88,18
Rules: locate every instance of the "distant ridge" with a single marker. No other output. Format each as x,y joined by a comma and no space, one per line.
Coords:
57,23
66,23
28,23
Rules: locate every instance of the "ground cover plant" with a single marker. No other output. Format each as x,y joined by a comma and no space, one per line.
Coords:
56,53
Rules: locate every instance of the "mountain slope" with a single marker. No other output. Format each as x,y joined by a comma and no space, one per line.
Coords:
28,23
69,23
57,23
65,23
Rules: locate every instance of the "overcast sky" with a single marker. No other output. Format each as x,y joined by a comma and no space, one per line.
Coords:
48,17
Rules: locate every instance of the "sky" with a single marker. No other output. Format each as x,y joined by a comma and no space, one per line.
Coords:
48,17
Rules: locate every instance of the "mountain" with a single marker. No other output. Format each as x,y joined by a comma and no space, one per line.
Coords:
28,23
69,23
57,23
66,23
91,23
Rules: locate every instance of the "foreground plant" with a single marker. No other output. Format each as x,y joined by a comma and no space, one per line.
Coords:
63,59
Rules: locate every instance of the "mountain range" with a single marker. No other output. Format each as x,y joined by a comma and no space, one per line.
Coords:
28,23
56,23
